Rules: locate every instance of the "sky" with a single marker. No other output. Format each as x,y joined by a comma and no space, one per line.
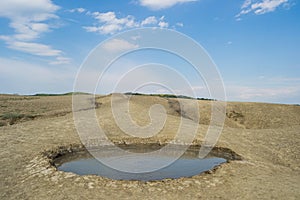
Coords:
255,44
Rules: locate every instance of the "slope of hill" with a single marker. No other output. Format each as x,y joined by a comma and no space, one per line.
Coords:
267,137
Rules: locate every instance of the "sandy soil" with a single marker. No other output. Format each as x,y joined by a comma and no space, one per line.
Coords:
267,136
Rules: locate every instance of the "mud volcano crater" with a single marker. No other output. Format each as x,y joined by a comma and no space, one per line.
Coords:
79,161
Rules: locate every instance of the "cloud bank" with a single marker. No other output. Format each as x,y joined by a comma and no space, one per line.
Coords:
29,21
260,7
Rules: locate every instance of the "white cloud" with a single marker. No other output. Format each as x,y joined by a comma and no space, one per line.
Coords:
28,31
260,7
149,20
163,24
109,23
26,17
29,20
246,4
60,61
159,4
91,28
34,48
116,45
180,24
38,8
267,6
106,29
79,10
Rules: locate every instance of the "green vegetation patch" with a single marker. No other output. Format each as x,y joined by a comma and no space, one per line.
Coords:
169,96
64,94
12,118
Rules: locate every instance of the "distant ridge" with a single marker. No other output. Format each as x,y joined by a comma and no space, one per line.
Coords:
169,96
63,94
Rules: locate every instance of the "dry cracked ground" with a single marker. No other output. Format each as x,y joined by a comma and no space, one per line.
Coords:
267,136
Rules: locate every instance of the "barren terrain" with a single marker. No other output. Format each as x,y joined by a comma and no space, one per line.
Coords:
266,136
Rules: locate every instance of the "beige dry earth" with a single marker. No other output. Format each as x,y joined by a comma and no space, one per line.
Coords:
35,129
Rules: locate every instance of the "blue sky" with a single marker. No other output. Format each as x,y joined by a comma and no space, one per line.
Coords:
254,43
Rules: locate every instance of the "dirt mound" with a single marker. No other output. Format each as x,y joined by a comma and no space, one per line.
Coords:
245,115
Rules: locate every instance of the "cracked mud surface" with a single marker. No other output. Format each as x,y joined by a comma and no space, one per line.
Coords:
268,139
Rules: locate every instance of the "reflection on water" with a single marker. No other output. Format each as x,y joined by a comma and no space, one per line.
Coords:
186,166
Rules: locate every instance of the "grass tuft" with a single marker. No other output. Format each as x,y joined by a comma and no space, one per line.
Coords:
12,118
